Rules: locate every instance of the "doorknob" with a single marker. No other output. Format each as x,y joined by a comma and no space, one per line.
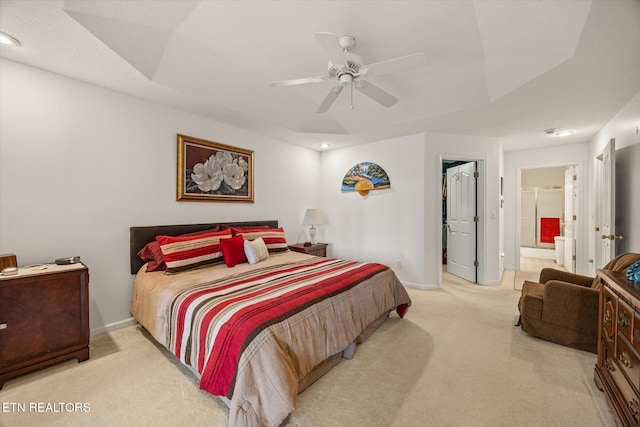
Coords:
612,237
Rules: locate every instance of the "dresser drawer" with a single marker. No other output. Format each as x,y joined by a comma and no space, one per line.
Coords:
624,319
628,401
628,359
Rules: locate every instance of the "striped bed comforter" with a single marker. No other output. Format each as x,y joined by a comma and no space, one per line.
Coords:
253,335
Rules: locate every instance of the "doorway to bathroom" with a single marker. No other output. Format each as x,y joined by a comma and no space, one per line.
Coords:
548,213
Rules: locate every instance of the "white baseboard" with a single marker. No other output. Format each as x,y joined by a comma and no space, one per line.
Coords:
538,253
113,326
421,287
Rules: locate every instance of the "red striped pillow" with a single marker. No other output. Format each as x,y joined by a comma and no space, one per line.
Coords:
185,252
152,254
274,237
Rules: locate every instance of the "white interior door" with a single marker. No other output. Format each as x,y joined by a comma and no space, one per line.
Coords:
570,197
461,221
607,200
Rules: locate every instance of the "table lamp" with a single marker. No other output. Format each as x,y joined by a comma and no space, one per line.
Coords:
312,217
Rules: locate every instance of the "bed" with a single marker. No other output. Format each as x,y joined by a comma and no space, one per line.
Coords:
258,334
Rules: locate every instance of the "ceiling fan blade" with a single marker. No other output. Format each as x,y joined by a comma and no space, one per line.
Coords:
330,98
392,65
332,48
298,81
375,93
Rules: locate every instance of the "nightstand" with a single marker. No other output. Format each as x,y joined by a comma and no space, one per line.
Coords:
44,318
317,249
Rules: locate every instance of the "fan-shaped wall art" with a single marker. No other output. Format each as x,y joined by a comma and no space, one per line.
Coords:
364,177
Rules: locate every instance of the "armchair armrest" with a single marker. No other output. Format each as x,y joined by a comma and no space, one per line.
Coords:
571,306
548,274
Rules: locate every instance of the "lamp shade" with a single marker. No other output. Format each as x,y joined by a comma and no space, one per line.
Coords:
312,217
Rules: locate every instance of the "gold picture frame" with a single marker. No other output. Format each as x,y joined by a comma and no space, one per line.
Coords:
212,172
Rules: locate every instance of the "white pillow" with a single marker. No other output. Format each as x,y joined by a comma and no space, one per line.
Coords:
255,250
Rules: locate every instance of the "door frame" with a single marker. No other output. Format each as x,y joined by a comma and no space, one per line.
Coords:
599,182
481,228
581,250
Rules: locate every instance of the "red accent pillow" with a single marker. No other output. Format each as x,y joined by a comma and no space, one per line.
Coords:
273,237
152,255
233,251
186,252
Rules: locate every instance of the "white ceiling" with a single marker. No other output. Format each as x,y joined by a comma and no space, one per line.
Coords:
507,69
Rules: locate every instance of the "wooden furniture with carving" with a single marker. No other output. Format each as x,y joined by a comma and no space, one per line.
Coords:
317,249
44,318
617,371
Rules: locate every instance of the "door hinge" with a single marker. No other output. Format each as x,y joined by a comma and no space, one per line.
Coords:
476,263
573,257
575,217
575,177
476,174
476,219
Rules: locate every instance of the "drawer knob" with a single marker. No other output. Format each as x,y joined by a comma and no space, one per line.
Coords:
3,325
633,407
622,320
625,359
608,364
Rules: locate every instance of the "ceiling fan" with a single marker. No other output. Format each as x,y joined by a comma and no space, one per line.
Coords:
346,67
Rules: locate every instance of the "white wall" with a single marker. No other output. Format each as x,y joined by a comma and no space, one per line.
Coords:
402,226
625,128
79,165
514,163
386,225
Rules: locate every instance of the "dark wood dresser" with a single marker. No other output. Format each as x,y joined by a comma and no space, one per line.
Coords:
317,249
617,371
44,318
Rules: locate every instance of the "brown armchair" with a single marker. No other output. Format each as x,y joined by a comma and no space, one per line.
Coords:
563,307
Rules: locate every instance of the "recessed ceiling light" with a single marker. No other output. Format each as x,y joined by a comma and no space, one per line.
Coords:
7,40
325,145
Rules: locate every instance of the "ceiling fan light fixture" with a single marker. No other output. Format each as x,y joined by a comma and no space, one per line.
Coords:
7,40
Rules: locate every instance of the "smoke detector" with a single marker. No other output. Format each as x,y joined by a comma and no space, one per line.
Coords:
556,132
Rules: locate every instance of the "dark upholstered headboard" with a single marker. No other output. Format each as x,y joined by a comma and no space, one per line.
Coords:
140,236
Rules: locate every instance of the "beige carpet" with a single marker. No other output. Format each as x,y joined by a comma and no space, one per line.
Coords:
530,270
455,360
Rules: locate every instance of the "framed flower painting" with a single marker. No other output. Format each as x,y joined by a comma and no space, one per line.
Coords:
213,172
